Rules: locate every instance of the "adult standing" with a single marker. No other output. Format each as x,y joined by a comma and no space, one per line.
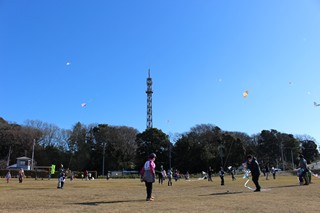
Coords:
267,171
303,170
221,174
253,166
209,172
148,175
160,175
232,174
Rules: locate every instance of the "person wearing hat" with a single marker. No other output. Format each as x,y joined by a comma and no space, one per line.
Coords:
148,175
253,166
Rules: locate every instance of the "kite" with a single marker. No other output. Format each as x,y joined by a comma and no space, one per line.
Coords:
246,93
68,63
83,104
246,175
316,104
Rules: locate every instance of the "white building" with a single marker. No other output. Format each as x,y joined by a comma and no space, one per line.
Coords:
22,162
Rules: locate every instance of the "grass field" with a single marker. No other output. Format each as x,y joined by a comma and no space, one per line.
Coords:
128,195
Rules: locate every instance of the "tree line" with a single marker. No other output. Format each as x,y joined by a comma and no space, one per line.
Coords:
103,148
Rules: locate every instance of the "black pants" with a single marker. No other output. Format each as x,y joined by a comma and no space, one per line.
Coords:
161,178
222,180
255,179
149,189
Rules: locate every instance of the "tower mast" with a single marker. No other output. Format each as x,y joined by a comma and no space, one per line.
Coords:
149,101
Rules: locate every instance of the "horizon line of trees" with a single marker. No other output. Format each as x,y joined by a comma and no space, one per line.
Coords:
103,148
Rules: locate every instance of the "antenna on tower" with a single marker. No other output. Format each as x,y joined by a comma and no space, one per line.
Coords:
149,100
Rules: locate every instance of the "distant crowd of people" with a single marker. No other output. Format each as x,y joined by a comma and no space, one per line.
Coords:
149,173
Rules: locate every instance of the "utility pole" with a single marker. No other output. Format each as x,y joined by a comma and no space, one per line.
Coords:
32,158
292,159
282,159
169,155
103,157
8,160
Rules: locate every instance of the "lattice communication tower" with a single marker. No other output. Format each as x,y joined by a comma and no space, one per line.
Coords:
149,101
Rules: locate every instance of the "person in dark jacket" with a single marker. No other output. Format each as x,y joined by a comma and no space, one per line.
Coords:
253,166
61,177
209,172
267,171
303,170
221,174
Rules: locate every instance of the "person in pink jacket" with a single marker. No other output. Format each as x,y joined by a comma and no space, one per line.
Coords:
148,175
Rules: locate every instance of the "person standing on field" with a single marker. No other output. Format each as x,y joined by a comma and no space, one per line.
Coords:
169,177
61,177
266,168
303,171
8,176
221,174
148,175
21,175
253,166
209,172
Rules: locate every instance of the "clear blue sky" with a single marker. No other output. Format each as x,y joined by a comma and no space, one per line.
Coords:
56,55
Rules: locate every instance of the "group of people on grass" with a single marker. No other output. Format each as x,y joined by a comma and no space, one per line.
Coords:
148,173
20,175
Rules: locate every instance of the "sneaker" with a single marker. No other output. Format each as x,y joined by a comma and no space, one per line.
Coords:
257,190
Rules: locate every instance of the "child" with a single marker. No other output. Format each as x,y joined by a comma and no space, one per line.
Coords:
169,177
8,176
21,175
61,177
274,171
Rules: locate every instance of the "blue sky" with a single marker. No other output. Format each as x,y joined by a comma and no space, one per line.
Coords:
56,55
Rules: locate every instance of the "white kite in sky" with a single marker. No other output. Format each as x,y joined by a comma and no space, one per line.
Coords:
83,104
68,63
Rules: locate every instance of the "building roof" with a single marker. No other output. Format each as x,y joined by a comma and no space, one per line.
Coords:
23,158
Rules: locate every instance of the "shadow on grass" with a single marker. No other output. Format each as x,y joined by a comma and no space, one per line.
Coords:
107,202
286,186
29,188
222,193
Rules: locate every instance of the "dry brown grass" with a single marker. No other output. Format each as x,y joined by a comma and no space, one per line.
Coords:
128,195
